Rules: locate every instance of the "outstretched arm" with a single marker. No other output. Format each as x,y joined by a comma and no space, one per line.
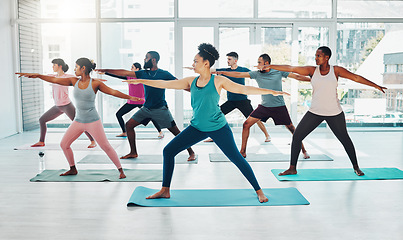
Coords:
105,89
118,72
172,84
299,77
344,73
233,74
61,81
247,90
305,70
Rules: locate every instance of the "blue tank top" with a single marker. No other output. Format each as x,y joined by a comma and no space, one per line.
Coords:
85,104
207,115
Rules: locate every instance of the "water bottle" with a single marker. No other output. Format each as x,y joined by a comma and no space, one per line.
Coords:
41,162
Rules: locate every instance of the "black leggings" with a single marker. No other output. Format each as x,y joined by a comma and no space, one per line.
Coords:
310,121
127,108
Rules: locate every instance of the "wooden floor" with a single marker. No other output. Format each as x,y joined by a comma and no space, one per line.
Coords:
97,210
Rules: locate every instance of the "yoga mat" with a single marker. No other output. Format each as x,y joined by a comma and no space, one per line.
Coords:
77,145
144,159
340,174
139,136
217,198
269,157
100,175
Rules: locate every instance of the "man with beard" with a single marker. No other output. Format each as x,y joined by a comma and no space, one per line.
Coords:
272,106
155,107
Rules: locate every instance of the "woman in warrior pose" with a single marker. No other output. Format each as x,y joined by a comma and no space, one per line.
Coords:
207,120
325,105
62,103
87,118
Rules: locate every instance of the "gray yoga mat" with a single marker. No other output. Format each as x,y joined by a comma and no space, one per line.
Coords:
139,136
76,146
269,157
100,175
142,159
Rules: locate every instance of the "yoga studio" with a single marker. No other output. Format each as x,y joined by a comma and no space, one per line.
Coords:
190,119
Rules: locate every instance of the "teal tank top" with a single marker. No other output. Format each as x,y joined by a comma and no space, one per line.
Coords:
207,115
85,104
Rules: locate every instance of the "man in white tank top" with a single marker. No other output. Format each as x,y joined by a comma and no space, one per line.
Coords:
325,105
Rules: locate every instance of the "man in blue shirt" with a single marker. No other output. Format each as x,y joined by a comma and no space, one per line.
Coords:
235,100
272,106
155,107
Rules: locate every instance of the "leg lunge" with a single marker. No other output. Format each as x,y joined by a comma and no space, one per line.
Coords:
225,141
131,136
245,133
338,126
182,141
175,131
49,115
307,124
72,133
119,115
96,129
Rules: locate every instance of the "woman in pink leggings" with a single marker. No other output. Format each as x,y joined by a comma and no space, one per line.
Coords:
62,103
87,118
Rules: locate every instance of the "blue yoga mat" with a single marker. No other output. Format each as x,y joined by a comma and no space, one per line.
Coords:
340,174
217,198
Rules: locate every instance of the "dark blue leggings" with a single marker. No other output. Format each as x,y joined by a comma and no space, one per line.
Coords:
336,123
224,140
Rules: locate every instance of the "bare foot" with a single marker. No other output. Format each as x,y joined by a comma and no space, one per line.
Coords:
359,172
208,140
306,155
268,139
161,135
163,193
261,196
243,153
92,145
192,157
122,135
291,171
122,174
38,144
72,171
130,155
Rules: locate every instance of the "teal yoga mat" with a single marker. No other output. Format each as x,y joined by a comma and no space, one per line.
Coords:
217,198
142,159
340,174
101,175
269,157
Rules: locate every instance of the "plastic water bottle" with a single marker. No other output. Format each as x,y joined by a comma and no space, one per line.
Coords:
41,162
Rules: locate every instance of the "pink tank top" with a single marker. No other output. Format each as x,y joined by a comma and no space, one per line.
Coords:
324,94
60,92
136,90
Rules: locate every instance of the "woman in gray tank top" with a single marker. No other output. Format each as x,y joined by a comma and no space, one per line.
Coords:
87,118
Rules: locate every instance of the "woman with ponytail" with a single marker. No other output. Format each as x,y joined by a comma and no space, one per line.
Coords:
62,103
207,120
87,118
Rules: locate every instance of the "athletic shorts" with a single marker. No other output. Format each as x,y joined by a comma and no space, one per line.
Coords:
162,116
280,114
243,105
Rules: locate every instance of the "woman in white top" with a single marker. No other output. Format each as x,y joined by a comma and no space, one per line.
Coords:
325,104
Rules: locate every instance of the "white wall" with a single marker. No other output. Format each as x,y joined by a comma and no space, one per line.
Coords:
8,91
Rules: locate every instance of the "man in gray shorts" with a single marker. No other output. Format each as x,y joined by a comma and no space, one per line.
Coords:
272,106
155,106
